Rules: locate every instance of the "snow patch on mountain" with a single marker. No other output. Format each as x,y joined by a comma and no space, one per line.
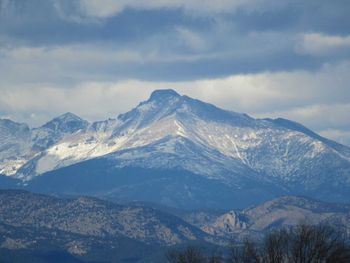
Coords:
10,167
170,131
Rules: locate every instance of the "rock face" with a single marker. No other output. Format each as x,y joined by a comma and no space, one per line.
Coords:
286,211
180,141
227,225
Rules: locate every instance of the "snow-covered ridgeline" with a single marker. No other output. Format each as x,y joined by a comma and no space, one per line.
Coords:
223,139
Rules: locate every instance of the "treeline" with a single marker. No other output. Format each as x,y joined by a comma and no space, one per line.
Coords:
301,244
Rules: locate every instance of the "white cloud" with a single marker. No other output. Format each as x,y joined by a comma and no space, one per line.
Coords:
191,39
278,91
317,116
73,54
320,44
97,61
90,78
106,8
320,100
341,136
56,64
48,81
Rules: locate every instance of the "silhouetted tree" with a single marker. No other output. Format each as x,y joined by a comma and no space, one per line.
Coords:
248,253
276,246
188,255
216,258
301,244
318,244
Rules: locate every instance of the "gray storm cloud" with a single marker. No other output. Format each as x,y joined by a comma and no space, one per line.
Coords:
267,58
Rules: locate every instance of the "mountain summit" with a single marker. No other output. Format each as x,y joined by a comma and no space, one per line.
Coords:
182,152
66,123
163,94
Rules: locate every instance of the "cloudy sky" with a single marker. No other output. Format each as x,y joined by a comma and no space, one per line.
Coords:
99,58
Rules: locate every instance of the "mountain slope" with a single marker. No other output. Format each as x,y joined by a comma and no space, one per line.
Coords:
92,217
19,144
39,228
170,132
14,146
285,211
89,229
54,130
171,187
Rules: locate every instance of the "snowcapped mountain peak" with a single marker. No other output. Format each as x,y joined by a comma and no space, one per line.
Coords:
164,94
56,129
172,131
165,103
67,122
165,100
68,116
11,126
161,104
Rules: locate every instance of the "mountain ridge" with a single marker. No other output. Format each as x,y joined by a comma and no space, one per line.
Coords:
170,131
89,220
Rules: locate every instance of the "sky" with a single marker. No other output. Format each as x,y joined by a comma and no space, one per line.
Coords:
100,58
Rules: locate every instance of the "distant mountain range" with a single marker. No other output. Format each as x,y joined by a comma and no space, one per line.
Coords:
176,151
41,228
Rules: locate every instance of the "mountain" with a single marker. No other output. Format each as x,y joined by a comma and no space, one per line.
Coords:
20,144
181,152
38,244
42,228
54,130
92,217
285,211
14,146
